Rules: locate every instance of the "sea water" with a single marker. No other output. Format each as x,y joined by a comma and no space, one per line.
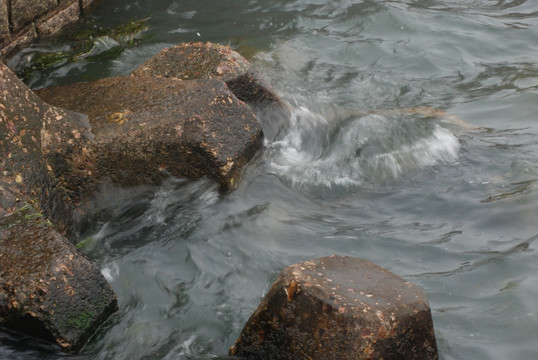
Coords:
413,143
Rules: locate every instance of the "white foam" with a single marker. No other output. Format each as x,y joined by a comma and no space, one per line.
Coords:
111,272
372,148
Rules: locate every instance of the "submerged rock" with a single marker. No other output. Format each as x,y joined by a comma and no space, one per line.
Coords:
46,288
339,308
92,43
146,128
197,60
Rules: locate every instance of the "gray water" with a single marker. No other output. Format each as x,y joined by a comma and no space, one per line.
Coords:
450,208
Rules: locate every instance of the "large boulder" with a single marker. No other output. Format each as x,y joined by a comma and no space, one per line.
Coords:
339,308
197,60
145,128
29,130
47,289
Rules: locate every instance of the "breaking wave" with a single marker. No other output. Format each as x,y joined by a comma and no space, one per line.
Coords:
359,150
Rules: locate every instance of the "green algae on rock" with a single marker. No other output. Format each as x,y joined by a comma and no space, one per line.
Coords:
48,289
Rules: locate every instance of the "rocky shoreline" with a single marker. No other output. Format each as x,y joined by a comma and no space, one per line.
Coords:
127,130
190,111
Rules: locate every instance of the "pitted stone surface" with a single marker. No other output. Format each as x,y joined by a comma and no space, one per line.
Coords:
148,127
339,308
197,60
4,22
23,12
48,290
29,130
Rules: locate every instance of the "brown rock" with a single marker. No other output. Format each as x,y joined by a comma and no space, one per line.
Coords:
4,22
28,129
212,61
190,61
56,20
23,12
339,308
22,38
47,289
146,128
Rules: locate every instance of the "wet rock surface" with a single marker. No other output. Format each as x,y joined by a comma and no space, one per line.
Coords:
55,153
339,308
47,289
24,11
30,131
4,21
197,60
146,128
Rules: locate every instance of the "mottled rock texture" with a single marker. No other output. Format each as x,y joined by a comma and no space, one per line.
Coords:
339,308
146,128
57,19
23,12
213,61
127,130
23,21
47,289
4,22
31,132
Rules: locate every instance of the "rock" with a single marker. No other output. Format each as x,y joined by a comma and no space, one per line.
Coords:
47,289
339,308
190,61
31,130
23,21
146,128
23,12
212,61
4,22
55,20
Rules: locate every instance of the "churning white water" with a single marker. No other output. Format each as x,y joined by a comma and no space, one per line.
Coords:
356,151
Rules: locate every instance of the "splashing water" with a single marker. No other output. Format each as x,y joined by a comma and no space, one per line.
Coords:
357,151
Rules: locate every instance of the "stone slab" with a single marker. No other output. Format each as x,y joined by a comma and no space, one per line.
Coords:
53,22
47,289
23,38
27,127
24,12
197,60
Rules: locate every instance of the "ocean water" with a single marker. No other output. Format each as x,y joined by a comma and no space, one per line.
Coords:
413,143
